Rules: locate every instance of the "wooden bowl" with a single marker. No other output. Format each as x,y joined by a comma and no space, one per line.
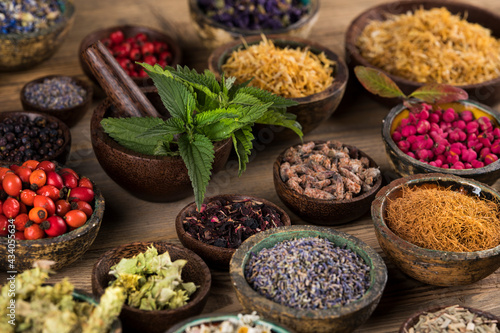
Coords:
413,320
214,34
323,211
152,178
64,249
83,296
130,31
62,154
158,320
487,92
338,319
214,256
312,110
21,51
440,268
406,165
70,115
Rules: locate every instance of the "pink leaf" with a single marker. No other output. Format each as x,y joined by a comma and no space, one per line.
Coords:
377,82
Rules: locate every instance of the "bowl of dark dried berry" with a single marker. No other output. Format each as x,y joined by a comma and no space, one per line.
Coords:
311,279
32,135
32,31
326,182
223,222
219,22
64,97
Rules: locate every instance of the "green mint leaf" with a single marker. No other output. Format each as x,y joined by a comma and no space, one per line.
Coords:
213,116
439,93
265,96
377,82
206,82
245,99
163,148
242,142
277,118
221,129
170,126
125,131
198,155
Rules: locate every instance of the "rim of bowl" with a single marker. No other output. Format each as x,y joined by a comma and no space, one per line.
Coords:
68,14
352,34
375,188
377,212
369,255
87,87
386,133
193,6
340,73
181,232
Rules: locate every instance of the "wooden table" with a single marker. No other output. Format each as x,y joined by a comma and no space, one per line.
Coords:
127,219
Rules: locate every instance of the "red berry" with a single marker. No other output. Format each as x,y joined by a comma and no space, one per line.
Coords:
135,54
147,49
106,42
140,37
116,37
160,47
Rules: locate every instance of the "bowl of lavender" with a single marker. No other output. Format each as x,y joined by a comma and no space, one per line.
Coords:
223,222
308,278
220,22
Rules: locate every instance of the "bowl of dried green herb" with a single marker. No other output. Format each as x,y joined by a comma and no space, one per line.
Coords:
308,278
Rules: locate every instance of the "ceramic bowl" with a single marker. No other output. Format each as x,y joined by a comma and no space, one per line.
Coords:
216,319
158,320
64,249
70,115
338,319
215,256
487,92
21,51
324,211
214,34
413,320
406,165
130,31
61,154
312,110
83,296
152,178
440,268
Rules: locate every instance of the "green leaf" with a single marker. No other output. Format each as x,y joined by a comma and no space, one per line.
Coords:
439,93
266,97
155,69
206,82
277,118
213,116
125,131
229,82
198,155
169,126
221,130
377,82
242,141
163,149
245,99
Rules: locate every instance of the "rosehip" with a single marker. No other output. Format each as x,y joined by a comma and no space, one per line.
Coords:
150,59
458,165
116,37
147,48
423,126
477,164
466,116
135,54
490,158
141,37
396,136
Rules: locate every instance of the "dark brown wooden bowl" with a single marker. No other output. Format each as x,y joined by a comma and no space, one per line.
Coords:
338,319
195,271
440,268
487,92
312,110
21,51
64,249
322,211
62,153
215,256
130,31
152,178
413,320
214,34
406,165
71,115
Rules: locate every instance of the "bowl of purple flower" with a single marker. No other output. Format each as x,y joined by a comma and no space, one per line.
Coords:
220,22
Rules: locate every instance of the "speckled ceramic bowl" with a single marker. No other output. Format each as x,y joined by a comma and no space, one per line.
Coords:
338,319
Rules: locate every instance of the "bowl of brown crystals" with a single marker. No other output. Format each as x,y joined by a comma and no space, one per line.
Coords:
439,229
461,50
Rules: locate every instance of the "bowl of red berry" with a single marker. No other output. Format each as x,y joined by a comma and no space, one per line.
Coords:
48,211
130,44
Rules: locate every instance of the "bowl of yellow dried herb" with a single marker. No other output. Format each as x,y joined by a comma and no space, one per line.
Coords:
439,229
419,42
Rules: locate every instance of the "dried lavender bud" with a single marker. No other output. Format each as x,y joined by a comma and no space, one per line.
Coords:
308,273
56,93
25,16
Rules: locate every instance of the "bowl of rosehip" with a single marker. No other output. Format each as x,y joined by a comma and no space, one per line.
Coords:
460,138
47,211
130,44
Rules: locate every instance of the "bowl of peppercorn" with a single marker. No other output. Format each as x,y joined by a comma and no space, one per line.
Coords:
27,135
459,138
32,32
308,278
64,97
223,222
326,182
218,23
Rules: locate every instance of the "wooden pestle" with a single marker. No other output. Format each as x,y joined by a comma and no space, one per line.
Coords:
119,87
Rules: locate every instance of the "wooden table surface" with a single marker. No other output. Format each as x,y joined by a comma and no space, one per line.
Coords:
127,219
